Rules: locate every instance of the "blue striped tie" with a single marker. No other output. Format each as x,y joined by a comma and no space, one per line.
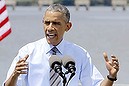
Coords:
55,79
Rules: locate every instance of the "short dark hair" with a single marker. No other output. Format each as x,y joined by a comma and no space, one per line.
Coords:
60,8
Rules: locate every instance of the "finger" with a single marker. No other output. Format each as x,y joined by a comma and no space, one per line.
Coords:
23,59
21,68
116,67
114,58
115,63
21,64
24,72
105,56
21,72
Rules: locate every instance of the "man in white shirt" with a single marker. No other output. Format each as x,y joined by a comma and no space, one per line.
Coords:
31,65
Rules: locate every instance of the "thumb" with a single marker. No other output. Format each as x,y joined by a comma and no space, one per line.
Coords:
105,56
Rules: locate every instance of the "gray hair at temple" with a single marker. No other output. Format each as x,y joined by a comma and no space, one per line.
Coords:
60,8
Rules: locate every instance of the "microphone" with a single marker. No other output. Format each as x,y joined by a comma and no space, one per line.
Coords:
55,63
69,64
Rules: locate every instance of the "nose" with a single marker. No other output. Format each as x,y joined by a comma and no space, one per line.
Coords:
50,27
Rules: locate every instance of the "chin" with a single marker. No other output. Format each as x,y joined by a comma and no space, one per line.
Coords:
51,42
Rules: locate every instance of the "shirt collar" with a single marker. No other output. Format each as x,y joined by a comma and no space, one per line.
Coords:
48,47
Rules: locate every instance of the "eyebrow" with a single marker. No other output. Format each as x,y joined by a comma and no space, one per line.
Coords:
53,22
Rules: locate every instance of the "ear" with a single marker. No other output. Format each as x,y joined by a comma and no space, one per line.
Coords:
69,25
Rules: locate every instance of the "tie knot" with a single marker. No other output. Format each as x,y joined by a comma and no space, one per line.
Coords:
54,50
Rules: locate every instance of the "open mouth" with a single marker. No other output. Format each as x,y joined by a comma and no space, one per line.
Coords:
51,36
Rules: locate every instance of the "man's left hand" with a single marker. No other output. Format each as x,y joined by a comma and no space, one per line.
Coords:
112,65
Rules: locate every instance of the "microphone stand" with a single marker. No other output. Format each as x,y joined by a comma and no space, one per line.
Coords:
72,74
64,80
65,83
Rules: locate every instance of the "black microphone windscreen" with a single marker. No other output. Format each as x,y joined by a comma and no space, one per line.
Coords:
54,60
66,60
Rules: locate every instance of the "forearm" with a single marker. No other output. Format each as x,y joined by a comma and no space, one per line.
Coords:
20,68
112,67
106,82
12,80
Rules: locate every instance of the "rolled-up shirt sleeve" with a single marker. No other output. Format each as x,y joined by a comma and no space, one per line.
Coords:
89,76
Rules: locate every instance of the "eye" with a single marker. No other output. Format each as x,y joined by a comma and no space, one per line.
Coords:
56,23
47,22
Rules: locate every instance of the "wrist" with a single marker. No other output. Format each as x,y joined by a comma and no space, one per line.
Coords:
111,78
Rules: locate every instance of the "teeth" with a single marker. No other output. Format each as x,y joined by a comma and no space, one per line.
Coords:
51,36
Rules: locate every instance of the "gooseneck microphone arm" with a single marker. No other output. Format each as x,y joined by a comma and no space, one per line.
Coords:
58,69
71,70
69,64
56,63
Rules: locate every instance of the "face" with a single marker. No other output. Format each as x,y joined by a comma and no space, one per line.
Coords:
55,27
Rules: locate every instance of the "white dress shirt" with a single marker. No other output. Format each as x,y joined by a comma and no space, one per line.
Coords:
38,73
